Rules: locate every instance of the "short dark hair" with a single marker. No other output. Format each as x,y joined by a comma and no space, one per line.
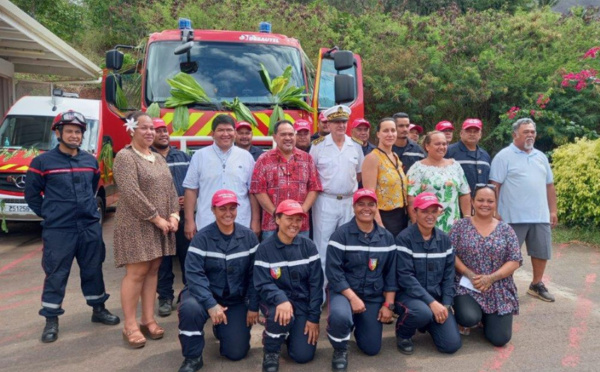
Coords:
280,123
385,119
400,115
222,119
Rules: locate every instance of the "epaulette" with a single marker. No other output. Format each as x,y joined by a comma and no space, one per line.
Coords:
357,140
318,140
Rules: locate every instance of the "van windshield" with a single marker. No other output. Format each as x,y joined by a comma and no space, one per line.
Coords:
25,132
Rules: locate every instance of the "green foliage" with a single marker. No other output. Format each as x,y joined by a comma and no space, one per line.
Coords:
240,110
106,158
576,168
153,110
3,225
62,17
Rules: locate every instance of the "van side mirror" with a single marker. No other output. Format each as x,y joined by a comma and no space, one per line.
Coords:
343,60
114,59
344,88
110,87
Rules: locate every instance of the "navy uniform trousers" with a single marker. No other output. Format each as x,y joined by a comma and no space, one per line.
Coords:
60,247
166,277
341,322
292,334
234,337
415,314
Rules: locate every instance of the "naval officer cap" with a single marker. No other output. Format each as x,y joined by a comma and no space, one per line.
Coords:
338,113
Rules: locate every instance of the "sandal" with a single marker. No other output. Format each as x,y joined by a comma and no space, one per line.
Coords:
152,330
134,338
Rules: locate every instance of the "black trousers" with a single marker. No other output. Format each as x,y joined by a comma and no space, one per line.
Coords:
395,220
496,328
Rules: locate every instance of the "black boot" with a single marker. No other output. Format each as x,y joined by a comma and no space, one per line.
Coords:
101,315
270,362
191,364
50,333
339,361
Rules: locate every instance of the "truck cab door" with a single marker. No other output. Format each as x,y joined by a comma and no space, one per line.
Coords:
339,81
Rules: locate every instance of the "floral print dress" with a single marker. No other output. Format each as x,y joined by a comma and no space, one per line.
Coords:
484,255
447,183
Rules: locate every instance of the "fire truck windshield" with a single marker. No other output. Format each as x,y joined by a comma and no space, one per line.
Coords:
224,70
25,132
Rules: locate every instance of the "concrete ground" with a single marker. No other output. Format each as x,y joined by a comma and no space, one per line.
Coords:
558,336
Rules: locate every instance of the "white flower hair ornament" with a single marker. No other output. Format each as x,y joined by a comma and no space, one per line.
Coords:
130,124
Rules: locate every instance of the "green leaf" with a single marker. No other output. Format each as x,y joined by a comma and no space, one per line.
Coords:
278,84
264,76
274,119
153,110
287,73
181,118
121,99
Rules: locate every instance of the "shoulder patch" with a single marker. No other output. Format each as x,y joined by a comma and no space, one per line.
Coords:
318,140
357,140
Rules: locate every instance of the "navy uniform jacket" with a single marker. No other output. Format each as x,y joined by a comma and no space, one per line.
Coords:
290,273
425,270
367,267
178,162
221,272
475,164
255,151
409,154
368,148
69,185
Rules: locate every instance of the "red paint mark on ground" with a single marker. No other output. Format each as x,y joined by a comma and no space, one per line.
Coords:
14,305
590,278
12,338
571,361
502,355
19,260
21,291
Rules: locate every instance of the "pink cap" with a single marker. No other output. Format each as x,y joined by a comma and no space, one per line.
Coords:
417,127
472,123
444,125
425,200
222,197
364,193
301,125
159,123
322,117
290,207
243,124
360,121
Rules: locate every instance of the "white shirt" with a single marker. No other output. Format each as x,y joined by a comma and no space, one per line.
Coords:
338,168
211,170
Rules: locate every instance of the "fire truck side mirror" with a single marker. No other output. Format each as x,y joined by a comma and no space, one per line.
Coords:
184,48
110,87
343,60
344,88
114,59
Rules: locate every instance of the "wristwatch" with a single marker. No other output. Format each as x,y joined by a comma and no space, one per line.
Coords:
389,305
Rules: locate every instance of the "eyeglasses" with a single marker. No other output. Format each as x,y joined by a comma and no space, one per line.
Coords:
482,185
70,116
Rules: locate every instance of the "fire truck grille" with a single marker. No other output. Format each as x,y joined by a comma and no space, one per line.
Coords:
14,182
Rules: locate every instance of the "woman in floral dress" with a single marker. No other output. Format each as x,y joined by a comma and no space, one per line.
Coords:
487,254
443,177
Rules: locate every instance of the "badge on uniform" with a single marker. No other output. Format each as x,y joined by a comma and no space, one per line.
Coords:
276,272
372,264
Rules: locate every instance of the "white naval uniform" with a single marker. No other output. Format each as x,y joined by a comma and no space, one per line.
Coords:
337,171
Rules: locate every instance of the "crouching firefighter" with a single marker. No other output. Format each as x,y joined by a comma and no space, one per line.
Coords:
218,271
67,177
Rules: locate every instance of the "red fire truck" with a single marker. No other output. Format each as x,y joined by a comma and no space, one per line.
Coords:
226,64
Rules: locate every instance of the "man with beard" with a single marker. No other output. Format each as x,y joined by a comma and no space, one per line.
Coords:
322,128
302,128
407,150
527,199
178,162
243,139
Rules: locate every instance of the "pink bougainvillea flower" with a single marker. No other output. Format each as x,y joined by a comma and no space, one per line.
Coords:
592,53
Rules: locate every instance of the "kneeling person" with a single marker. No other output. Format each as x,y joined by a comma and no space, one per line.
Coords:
218,270
425,274
360,269
289,281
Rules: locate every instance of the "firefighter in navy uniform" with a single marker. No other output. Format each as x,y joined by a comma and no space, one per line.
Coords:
289,281
361,275
67,177
219,269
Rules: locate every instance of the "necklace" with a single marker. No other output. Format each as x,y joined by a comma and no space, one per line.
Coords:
149,157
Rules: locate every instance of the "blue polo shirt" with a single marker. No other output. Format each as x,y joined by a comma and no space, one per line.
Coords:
524,176
475,164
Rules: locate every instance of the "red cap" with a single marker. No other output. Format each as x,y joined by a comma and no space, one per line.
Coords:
301,125
444,125
243,124
425,200
472,123
417,127
360,121
322,117
159,123
290,208
222,197
364,193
